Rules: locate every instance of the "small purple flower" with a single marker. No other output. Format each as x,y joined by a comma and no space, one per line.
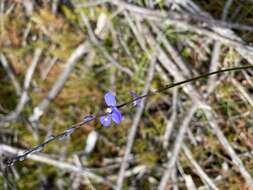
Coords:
137,100
112,111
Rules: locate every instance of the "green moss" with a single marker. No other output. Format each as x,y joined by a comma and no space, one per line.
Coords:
59,34
148,158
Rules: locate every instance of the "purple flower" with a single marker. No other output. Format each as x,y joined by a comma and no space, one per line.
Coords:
137,100
112,111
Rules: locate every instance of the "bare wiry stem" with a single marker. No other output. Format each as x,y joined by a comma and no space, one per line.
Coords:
89,118
60,164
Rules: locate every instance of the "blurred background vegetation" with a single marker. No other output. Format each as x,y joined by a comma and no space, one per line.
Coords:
118,60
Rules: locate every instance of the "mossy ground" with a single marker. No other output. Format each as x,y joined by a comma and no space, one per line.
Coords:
58,35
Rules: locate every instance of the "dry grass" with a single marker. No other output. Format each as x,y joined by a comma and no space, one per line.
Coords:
122,41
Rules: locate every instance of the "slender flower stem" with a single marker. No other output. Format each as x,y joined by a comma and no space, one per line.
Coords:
69,131
166,87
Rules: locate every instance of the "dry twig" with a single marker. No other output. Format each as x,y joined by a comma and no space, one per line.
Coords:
204,177
131,135
24,96
59,83
177,146
10,74
56,163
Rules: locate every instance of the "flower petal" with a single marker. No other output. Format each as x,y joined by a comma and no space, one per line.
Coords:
105,120
116,115
110,99
137,102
